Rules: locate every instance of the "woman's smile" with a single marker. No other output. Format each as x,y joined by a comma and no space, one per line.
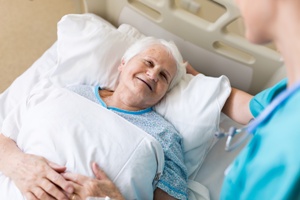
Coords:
150,86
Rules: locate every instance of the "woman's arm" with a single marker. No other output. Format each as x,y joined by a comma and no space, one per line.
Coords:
159,194
36,177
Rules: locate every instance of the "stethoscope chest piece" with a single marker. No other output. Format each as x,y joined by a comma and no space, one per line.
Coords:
254,123
230,135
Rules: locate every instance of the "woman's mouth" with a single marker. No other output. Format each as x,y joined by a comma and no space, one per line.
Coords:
149,86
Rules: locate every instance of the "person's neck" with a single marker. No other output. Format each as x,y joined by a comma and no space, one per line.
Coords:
117,100
106,96
288,43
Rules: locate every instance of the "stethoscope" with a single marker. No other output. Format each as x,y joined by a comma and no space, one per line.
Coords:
254,123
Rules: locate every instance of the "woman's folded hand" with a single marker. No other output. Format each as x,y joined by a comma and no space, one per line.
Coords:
85,187
35,176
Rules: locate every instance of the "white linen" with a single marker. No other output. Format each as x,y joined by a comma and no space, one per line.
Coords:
22,86
73,131
89,51
207,96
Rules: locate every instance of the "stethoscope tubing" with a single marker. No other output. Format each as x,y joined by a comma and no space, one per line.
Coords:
283,96
254,123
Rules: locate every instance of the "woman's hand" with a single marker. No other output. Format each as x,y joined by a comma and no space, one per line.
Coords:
191,70
85,187
36,177
39,178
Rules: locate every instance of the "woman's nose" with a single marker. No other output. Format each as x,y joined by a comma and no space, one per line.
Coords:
152,74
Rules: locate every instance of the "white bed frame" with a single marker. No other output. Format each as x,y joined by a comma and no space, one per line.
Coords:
210,37
209,34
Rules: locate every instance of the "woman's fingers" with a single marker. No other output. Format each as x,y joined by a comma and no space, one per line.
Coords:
56,167
30,196
58,180
49,189
39,193
79,179
87,187
79,184
98,172
75,178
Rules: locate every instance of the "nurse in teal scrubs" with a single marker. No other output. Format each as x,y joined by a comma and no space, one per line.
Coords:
269,166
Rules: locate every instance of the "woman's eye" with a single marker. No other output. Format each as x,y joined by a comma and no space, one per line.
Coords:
149,62
164,76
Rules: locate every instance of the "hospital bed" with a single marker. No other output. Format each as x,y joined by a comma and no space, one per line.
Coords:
209,35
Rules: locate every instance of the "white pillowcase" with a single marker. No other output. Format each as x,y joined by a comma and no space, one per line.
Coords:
89,50
194,107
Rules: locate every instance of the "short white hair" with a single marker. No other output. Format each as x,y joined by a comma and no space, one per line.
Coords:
171,48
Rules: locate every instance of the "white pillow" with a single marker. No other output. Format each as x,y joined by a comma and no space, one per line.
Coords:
194,107
89,50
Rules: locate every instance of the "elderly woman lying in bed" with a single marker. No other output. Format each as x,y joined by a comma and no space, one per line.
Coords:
132,159
148,70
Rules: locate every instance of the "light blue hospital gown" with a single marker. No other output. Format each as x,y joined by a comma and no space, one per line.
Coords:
174,177
269,166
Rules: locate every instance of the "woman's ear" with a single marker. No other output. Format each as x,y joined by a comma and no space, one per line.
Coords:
122,64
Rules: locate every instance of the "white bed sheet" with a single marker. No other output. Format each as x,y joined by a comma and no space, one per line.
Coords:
211,173
23,84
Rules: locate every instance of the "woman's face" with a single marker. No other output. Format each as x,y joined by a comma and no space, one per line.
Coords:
147,76
258,16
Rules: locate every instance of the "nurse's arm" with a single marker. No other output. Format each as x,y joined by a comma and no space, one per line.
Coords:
237,106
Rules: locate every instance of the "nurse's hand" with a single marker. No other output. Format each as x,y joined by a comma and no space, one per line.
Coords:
85,187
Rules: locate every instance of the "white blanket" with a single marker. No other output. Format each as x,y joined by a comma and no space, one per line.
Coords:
73,131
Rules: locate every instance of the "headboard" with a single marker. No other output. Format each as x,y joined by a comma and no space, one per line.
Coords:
209,34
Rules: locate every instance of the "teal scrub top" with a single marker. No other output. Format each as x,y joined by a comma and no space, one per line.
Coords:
269,166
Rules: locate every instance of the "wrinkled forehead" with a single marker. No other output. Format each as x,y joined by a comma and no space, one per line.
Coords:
161,55
159,52
156,48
